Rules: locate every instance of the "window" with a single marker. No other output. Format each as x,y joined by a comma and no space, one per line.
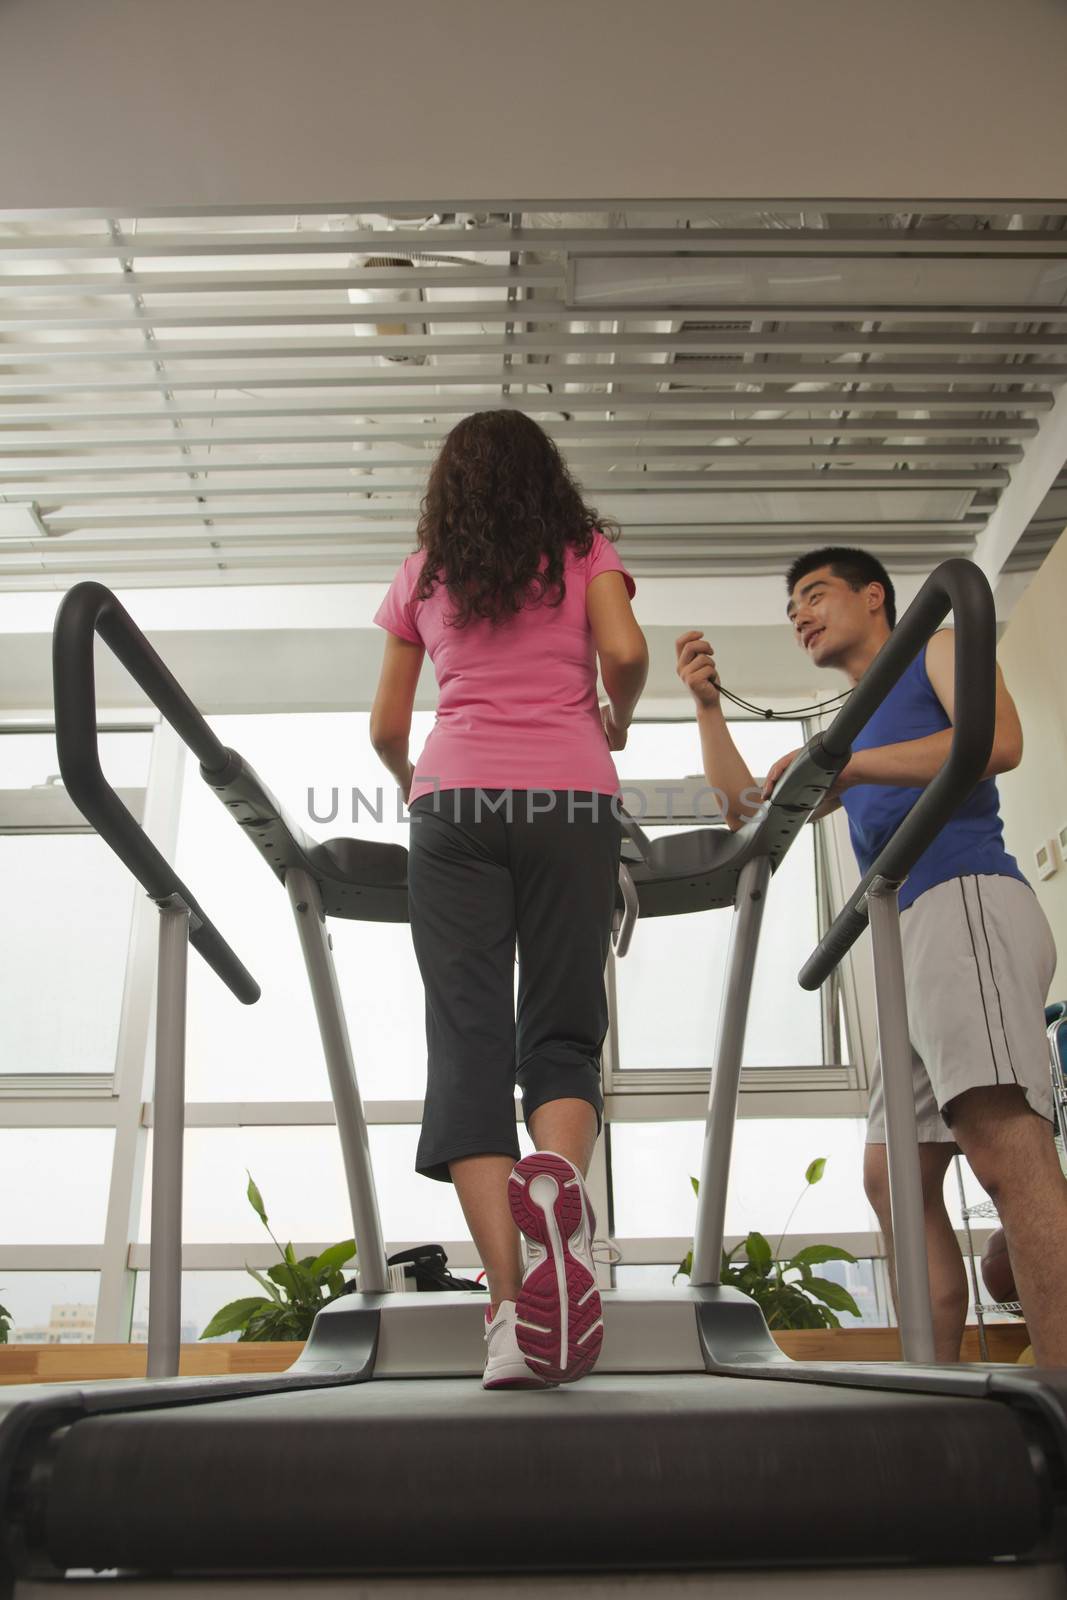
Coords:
301,1177
50,1307
270,1051
203,1293
71,946
669,987
54,1184
63,946
652,1162
865,1281
64,940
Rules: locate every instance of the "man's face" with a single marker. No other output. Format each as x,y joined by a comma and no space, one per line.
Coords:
829,618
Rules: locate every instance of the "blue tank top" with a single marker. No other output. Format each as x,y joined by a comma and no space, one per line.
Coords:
971,842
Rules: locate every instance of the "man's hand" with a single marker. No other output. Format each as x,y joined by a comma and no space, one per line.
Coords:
835,791
615,735
695,665
776,772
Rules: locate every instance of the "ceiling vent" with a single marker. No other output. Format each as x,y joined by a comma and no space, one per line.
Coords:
680,357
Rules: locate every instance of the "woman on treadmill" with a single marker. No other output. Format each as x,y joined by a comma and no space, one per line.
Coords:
514,591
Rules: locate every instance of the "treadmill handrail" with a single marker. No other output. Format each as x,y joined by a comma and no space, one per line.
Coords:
86,610
961,587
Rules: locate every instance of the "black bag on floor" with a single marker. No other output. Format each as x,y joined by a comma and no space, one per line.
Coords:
426,1269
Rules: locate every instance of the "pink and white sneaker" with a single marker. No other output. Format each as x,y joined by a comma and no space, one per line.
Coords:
505,1364
559,1325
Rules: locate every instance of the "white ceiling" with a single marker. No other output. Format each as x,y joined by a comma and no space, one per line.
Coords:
248,399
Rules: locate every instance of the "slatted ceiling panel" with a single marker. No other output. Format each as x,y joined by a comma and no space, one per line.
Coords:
235,399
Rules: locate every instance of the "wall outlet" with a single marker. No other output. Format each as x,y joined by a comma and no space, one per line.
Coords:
1045,858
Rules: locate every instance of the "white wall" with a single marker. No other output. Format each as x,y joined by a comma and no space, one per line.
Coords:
139,104
1034,796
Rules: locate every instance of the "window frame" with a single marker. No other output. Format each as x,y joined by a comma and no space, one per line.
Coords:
124,1101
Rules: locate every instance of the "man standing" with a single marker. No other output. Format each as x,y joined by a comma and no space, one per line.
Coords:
978,952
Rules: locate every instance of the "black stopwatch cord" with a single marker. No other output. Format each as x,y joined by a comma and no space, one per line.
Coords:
784,716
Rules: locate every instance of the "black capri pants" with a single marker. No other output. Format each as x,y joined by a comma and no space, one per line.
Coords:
489,869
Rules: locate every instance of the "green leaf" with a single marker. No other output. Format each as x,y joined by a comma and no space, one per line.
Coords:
290,1254
255,1199
758,1252
332,1258
685,1266
832,1294
297,1282
815,1170
696,1184
813,1254
235,1315
264,1283
285,1277
276,1323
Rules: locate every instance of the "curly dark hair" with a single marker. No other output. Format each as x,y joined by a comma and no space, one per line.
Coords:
499,497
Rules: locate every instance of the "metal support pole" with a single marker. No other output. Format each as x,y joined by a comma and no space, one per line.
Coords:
901,1131
371,1269
168,1134
726,1070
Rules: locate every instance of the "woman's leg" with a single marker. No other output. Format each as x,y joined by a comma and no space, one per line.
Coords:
569,1127
482,1185
565,861
462,912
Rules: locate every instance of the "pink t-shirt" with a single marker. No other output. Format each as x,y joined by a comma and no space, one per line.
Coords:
518,704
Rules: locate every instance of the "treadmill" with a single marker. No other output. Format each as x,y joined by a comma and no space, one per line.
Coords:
696,1459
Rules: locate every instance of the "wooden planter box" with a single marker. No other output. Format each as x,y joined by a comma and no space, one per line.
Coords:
57,1363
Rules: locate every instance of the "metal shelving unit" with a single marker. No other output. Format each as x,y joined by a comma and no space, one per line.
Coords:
986,1211
1056,1018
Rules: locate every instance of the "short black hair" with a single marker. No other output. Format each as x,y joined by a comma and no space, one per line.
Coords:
856,567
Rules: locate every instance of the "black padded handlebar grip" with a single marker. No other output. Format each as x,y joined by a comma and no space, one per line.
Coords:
85,611
960,587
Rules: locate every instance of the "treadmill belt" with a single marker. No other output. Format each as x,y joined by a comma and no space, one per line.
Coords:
438,1474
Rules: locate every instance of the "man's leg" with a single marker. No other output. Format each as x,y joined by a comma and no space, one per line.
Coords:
948,1280
1013,1156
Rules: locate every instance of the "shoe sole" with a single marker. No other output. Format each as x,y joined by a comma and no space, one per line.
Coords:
529,1381
559,1320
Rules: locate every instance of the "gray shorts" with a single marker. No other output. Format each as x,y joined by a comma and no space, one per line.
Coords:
978,960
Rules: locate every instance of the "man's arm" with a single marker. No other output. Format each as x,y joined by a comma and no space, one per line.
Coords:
914,763
724,766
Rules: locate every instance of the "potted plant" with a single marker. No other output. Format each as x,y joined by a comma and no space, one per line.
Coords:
5,1324
295,1290
789,1293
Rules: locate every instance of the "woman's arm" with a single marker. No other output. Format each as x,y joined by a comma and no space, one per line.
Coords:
620,646
390,718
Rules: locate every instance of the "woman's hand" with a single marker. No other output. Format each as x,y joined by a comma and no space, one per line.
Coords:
615,735
695,666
